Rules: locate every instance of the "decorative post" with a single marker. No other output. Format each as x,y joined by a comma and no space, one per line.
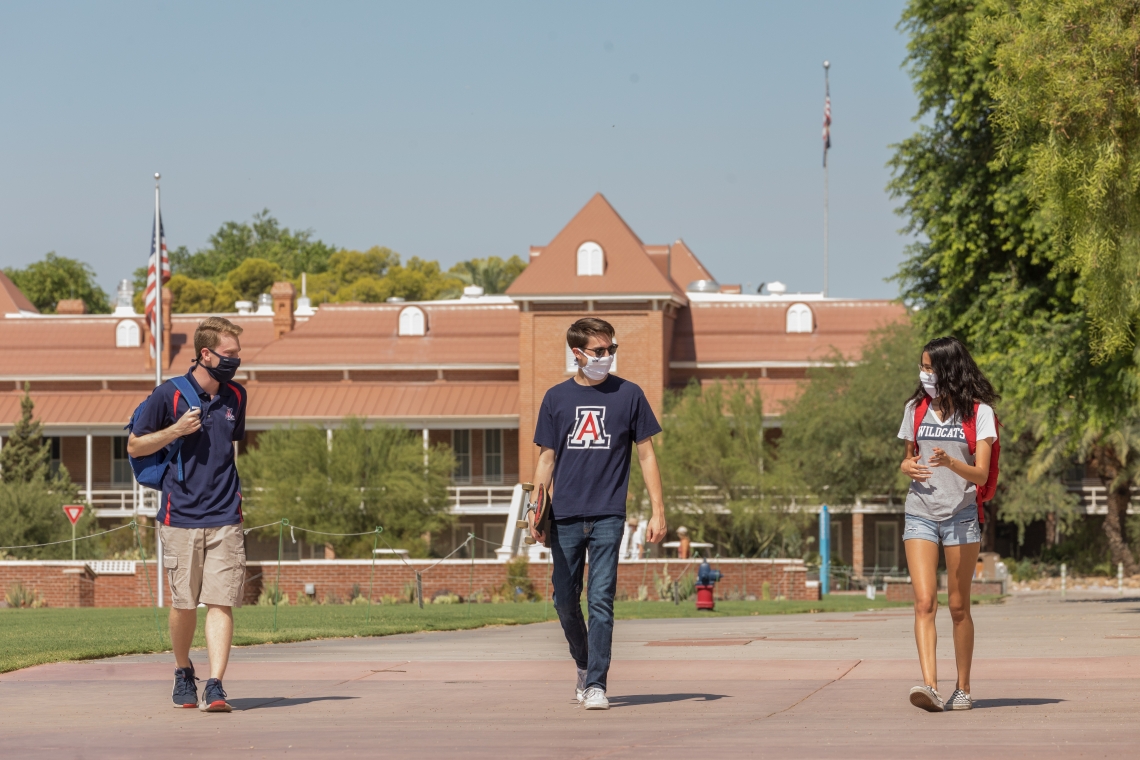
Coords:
824,550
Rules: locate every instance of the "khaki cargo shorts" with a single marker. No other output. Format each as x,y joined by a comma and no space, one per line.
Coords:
204,565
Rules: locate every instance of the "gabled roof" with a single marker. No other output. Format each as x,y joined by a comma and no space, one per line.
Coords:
12,299
629,269
684,266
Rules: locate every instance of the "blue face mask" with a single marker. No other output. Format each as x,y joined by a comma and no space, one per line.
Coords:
226,369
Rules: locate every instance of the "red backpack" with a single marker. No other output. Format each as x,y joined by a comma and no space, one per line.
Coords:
970,428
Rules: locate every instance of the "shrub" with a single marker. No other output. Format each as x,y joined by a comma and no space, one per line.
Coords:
518,586
270,595
20,596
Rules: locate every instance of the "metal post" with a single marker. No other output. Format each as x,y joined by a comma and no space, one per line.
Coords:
420,589
157,286
1120,579
827,95
1064,573
277,587
372,575
89,443
824,550
72,542
158,563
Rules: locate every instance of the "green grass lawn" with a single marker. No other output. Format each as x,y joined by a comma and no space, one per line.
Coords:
33,637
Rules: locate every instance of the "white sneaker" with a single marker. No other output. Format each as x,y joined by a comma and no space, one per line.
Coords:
926,698
580,688
595,699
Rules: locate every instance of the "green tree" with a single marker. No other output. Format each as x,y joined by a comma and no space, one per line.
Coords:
840,435
369,477
253,277
492,273
26,456
47,282
32,513
712,456
263,238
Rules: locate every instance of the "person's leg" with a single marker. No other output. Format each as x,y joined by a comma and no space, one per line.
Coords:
961,560
568,557
183,623
219,636
922,564
601,585
182,550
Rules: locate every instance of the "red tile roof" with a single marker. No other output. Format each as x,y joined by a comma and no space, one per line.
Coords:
12,299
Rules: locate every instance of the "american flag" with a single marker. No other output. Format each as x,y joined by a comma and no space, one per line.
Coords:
826,127
151,316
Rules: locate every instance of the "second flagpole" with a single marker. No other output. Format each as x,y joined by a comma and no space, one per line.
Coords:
827,126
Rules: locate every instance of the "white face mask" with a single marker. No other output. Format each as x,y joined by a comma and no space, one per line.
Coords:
929,382
597,367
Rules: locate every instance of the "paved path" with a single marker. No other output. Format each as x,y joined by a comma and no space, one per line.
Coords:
1052,679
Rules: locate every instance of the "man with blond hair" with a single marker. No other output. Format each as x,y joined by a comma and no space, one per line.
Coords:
199,516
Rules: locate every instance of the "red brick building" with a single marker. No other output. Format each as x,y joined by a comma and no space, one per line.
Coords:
468,372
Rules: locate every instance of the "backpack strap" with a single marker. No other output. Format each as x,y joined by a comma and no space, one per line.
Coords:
919,415
183,389
970,428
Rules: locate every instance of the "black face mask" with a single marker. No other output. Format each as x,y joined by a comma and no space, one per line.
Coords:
226,369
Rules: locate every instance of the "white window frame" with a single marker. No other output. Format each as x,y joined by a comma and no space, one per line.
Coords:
492,455
890,530
461,447
591,260
127,334
413,322
799,319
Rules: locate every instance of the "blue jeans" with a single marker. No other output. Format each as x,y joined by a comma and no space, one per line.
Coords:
570,541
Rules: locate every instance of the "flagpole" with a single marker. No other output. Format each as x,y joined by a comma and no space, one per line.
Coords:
158,351
827,99
157,286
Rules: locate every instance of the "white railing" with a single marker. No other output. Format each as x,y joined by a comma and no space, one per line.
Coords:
123,502
1094,499
481,498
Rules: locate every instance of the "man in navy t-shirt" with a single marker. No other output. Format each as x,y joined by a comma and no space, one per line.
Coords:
587,428
199,516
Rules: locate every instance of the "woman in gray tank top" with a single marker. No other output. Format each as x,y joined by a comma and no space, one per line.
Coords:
942,507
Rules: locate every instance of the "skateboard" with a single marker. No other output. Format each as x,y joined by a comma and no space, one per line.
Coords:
542,512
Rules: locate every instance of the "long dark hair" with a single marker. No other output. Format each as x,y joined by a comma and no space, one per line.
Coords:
960,383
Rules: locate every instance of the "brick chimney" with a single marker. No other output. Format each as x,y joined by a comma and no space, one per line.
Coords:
71,306
167,300
283,293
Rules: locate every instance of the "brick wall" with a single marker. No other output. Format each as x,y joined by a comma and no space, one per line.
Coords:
72,584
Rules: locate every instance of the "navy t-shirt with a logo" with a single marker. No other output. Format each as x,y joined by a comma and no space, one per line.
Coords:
209,496
592,429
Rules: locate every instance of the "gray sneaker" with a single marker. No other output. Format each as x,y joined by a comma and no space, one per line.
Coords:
595,699
580,688
926,698
960,700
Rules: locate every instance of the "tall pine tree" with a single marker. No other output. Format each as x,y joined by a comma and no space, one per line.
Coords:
26,456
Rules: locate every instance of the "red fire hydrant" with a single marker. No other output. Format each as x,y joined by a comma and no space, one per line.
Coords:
706,582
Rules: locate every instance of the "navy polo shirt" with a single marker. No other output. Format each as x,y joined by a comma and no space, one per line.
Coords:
209,495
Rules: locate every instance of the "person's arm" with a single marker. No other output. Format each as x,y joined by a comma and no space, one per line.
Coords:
977,474
911,467
143,445
647,458
543,473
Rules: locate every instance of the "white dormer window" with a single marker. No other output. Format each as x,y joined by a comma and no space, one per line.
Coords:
127,334
413,321
800,318
591,260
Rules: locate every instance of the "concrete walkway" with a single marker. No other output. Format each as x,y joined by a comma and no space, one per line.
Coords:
1052,678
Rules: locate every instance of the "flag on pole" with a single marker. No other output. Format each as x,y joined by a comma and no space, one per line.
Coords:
826,126
152,318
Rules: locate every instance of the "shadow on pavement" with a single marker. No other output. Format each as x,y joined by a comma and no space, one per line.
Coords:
657,699
256,703
1014,702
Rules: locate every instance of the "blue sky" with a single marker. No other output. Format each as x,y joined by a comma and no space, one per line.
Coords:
456,130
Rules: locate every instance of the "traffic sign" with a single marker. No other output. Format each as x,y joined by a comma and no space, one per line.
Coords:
73,512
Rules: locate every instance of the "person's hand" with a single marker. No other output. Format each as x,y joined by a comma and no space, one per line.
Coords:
191,422
915,471
655,530
941,459
537,535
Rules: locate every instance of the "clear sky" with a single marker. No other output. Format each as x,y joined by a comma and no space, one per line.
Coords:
456,130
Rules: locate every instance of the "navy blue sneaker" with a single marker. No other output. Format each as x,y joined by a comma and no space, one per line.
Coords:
185,692
214,698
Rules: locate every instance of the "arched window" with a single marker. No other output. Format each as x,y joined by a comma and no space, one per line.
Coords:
591,260
127,334
413,321
799,318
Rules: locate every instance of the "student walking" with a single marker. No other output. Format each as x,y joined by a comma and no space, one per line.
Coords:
587,428
949,414
199,517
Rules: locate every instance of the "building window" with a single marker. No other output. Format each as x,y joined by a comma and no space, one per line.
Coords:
492,539
127,334
121,474
887,544
836,538
572,363
461,447
413,321
591,260
56,454
493,456
799,318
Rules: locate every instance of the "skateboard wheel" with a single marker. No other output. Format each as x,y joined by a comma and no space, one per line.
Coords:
527,486
522,524
529,540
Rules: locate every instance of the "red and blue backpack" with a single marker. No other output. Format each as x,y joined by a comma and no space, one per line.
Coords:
970,428
149,470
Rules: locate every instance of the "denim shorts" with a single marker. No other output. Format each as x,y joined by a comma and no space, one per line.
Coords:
961,528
